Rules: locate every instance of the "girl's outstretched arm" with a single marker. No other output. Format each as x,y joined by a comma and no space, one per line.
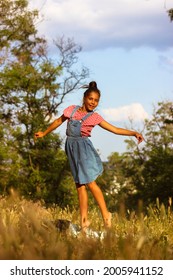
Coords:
54,125
121,131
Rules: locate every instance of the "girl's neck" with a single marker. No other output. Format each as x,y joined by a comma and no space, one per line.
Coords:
83,109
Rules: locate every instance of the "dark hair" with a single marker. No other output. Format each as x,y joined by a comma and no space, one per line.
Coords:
91,87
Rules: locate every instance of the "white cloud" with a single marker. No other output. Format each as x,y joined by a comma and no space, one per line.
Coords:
107,23
133,111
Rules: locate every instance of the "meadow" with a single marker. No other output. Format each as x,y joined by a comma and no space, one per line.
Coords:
28,231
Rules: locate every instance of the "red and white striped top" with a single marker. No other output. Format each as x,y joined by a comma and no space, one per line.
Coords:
88,124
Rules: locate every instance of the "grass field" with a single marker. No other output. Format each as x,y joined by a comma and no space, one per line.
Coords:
27,231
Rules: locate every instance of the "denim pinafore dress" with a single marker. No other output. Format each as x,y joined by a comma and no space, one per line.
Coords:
85,163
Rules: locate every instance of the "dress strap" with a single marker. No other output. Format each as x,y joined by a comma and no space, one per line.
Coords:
84,118
74,110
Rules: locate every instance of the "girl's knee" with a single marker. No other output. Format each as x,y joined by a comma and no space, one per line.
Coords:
92,185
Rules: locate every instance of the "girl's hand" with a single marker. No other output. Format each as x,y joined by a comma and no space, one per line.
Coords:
39,134
139,137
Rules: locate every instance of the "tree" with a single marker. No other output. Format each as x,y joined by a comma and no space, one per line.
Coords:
159,149
144,172
32,87
151,171
170,14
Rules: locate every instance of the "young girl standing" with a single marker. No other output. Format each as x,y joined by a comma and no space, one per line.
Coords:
84,160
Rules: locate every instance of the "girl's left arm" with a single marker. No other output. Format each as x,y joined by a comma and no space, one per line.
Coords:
121,131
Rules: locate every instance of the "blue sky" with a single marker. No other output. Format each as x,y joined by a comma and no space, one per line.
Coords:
128,47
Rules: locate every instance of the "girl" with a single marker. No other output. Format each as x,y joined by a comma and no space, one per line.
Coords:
84,160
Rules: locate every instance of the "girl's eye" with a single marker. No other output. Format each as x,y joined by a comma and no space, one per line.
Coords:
93,99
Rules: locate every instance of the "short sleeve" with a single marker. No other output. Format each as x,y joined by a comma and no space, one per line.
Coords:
97,118
67,112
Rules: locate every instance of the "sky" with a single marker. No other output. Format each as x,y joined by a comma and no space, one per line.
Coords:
127,45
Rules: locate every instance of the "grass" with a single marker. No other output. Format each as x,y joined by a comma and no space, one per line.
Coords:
27,232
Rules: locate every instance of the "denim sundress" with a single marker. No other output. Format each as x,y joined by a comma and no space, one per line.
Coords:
85,163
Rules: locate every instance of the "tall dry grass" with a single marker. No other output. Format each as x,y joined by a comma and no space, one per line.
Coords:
27,232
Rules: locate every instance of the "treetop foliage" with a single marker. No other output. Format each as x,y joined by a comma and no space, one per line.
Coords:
32,87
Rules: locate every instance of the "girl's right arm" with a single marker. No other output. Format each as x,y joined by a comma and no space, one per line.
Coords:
53,126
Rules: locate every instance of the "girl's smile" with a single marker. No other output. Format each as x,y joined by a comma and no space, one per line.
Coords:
91,101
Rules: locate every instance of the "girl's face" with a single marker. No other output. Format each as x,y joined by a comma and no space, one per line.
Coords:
91,101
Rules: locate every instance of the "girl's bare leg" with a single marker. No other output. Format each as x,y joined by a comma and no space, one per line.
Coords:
98,195
83,203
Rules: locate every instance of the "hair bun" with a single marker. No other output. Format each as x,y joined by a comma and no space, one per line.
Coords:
92,87
93,84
